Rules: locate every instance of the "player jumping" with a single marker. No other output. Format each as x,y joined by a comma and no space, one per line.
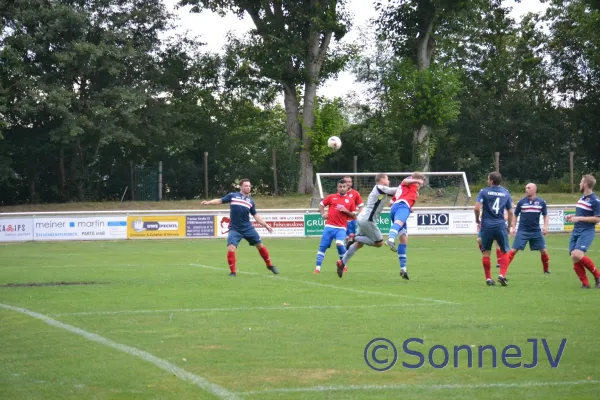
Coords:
368,232
405,196
241,206
340,209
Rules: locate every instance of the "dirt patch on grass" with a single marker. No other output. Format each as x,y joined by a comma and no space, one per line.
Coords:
31,284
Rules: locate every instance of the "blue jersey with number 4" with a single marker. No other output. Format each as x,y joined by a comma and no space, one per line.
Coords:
494,200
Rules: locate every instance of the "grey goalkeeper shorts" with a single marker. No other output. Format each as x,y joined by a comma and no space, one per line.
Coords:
369,229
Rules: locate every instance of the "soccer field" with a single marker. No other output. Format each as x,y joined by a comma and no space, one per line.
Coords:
162,320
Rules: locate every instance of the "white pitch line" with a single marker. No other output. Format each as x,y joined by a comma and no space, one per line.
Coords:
275,308
278,277
160,363
405,386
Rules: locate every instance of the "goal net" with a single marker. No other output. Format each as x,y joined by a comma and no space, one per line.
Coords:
441,189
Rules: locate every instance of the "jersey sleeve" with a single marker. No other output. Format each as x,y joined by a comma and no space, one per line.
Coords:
253,209
544,208
509,201
518,209
227,198
596,207
358,200
326,201
480,196
389,190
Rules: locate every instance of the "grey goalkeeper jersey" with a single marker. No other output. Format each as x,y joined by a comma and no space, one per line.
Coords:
376,201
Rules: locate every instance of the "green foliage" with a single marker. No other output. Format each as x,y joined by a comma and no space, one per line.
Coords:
329,121
426,97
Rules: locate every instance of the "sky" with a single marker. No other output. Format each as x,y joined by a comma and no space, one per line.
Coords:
212,29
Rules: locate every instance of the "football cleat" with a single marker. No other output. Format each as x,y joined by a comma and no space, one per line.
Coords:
273,269
232,274
404,275
547,272
490,282
585,287
340,268
391,245
503,281
317,271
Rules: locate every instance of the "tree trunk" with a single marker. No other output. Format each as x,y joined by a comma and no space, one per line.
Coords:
316,55
61,170
421,154
292,106
421,134
32,193
305,183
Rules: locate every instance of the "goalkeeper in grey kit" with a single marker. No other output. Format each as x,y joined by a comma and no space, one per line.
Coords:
368,232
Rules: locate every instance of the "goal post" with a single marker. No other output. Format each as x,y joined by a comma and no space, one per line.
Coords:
441,189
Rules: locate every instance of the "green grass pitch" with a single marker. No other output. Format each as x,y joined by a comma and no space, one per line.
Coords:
291,336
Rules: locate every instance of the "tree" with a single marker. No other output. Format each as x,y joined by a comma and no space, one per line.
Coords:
416,30
290,45
575,38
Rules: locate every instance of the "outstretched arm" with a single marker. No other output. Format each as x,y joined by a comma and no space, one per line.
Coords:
389,190
212,202
411,181
262,222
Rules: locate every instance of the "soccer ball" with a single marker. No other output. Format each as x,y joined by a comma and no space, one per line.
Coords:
334,143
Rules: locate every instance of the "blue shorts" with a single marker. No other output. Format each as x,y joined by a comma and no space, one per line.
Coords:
536,240
400,211
581,240
499,235
235,237
329,234
351,227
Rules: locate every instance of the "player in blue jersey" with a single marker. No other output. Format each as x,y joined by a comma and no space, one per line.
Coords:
530,208
587,215
493,200
240,208
498,252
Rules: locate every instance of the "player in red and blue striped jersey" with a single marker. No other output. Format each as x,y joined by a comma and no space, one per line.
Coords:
240,208
587,215
493,200
340,209
530,208
405,198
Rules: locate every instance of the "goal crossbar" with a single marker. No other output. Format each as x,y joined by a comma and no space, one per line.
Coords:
462,175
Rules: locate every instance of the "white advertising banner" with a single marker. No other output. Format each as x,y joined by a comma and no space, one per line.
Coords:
290,225
16,229
80,228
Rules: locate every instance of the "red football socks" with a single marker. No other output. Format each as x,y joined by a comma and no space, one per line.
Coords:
487,267
545,261
231,260
511,255
504,261
265,255
580,271
589,264
498,255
